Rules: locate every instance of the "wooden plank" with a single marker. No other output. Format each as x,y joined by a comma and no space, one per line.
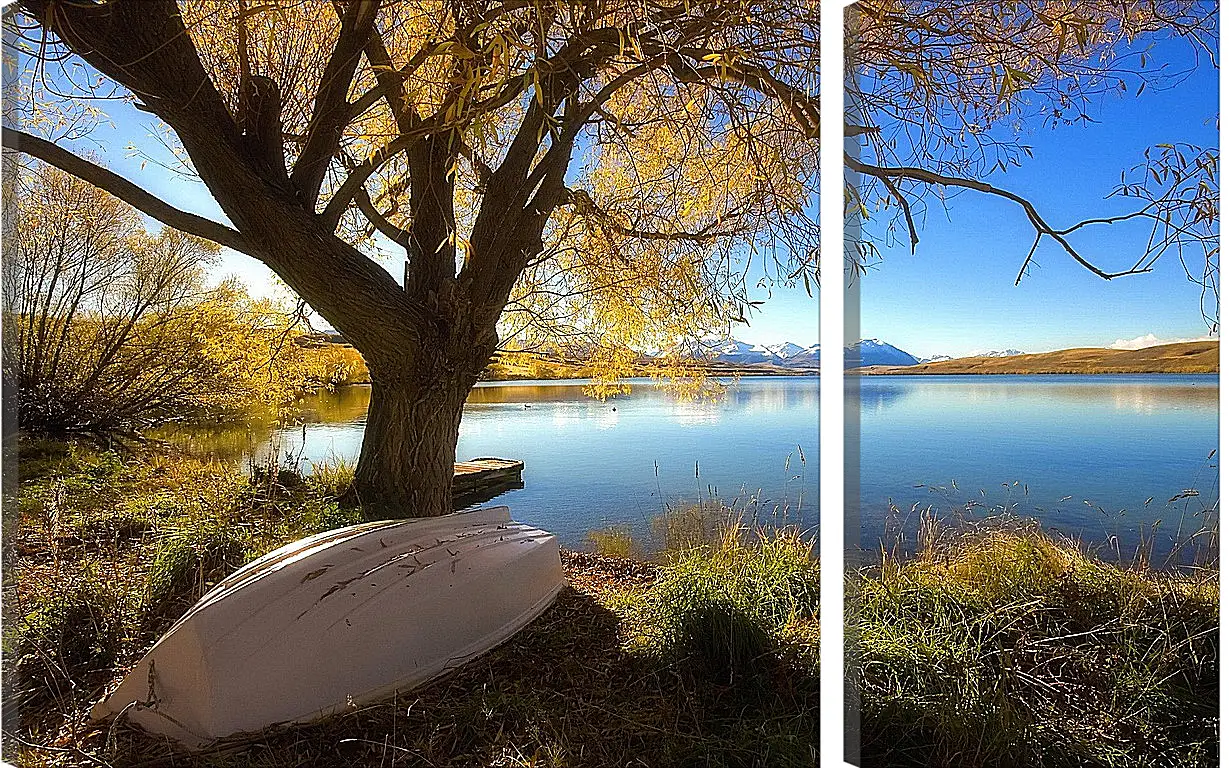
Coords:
483,478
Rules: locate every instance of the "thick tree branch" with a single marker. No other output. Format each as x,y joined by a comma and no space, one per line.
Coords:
433,235
332,112
143,45
410,125
125,190
262,140
389,83
379,220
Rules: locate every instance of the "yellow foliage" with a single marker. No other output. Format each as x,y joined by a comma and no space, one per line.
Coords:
673,197
109,328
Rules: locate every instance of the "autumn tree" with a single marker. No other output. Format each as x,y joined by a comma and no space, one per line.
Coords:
108,329
610,167
938,95
90,300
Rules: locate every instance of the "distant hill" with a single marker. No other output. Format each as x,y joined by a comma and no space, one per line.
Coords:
739,359
1187,357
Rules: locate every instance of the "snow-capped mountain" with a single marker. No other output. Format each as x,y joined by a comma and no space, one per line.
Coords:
866,352
784,350
875,352
804,357
735,352
1001,353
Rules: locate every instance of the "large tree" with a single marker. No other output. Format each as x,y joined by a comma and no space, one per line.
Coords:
598,170
940,97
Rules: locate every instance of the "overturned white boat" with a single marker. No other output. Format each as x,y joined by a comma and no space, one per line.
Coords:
340,619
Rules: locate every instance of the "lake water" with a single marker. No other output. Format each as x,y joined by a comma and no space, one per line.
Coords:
1084,454
591,463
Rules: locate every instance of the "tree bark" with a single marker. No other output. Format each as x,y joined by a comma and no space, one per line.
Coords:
409,446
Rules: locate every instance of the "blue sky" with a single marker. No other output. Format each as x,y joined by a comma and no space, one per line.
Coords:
787,314
956,296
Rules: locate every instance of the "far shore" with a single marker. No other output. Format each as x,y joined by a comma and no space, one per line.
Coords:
1187,357
715,372
1195,357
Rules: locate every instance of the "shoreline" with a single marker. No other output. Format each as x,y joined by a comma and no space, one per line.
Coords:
623,663
757,373
851,372
905,371
1191,357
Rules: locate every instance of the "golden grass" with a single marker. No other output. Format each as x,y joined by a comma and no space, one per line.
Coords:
1187,357
997,644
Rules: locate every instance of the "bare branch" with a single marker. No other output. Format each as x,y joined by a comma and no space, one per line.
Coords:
358,177
906,208
585,205
1044,229
125,190
803,107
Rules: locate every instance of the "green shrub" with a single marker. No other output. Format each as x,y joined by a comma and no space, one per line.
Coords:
312,516
726,608
193,556
75,629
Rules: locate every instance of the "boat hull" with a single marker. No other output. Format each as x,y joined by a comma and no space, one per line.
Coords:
338,620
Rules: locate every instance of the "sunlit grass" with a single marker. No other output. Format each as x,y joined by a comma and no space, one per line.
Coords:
614,541
332,477
996,644
733,605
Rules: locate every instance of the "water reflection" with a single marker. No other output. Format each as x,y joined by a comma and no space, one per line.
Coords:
874,396
592,463
346,404
1082,453
1143,394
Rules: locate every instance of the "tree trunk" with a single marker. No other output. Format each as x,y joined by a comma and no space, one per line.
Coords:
409,445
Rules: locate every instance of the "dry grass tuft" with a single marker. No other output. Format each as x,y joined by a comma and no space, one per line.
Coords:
1000,645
